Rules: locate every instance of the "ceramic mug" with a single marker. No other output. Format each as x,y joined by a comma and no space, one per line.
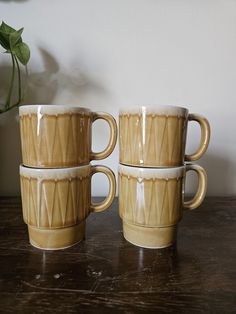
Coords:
151,202
55,136
155,136
56,203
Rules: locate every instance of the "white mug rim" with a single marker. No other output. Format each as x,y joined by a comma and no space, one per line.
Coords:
147,172
154,109
51,108
52,172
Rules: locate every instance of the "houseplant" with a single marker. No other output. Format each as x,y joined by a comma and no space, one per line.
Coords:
11,41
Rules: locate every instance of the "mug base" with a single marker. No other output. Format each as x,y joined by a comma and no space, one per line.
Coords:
150,237
56,239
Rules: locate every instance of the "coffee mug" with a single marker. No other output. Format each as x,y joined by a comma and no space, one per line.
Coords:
155,136
151,202
56,203
54,136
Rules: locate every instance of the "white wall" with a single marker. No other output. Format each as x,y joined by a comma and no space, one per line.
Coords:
107,53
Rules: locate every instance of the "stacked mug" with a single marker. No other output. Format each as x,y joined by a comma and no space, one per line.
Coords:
56,172
152,172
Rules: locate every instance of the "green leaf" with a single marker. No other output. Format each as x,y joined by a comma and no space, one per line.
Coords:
22,52
6,28
9,37
15,38
4,40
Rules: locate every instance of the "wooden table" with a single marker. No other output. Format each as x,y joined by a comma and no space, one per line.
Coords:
106,274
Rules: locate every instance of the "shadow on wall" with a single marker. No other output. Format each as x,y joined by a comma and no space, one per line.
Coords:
41,88
9,153
49,86
55,85
62,86
219,176
219,171
13,0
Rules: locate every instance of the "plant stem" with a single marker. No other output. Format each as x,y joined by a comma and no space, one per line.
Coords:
8,102
19,80
26,81
9,108
20,96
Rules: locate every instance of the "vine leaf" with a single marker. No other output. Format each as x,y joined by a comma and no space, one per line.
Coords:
11,41
22,52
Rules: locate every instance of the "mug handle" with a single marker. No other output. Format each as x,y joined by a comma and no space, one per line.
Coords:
113,135
198,198
98,207
205,136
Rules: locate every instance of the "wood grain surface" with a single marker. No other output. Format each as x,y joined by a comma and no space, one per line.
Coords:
106,274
